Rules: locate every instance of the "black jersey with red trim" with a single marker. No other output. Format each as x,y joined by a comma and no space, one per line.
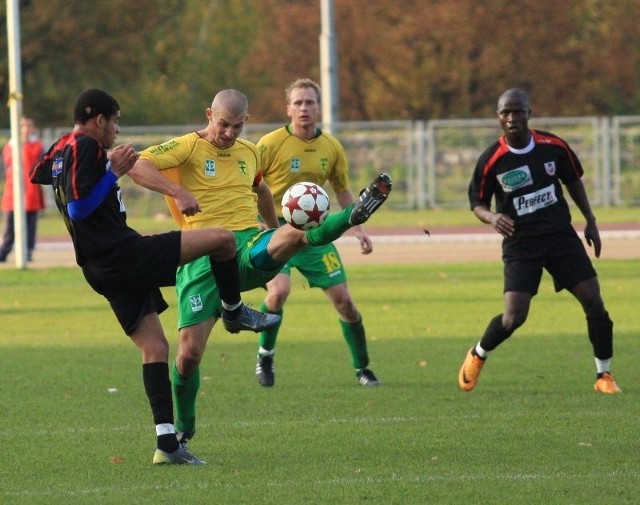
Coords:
527,183
73,166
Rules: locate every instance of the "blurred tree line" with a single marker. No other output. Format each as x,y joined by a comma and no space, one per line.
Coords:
405,59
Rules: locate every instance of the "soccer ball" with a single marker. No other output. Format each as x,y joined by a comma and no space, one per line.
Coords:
305,205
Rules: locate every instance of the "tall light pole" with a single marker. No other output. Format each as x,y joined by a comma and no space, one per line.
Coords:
328,67
15,104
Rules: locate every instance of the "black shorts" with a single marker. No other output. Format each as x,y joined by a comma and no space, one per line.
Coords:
131,276
561,253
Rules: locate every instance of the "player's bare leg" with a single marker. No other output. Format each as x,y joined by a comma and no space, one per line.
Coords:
219,244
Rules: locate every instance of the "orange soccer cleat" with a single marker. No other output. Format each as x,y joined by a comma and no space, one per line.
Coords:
606,384
470,371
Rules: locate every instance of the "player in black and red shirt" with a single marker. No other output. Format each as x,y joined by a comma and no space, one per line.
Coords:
525,171
127,268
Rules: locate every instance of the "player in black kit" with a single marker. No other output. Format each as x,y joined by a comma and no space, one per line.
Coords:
525,170
127,268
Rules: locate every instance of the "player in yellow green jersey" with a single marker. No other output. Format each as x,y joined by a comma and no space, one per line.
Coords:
301,152
213,176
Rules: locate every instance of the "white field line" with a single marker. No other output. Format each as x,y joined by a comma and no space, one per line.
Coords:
338,482
382,480
67,432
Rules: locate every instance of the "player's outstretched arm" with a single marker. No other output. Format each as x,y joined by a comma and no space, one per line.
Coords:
145,174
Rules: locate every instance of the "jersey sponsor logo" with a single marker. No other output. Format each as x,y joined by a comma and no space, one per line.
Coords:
528,204
163,148
515,179
242,166
550,167
294,166
210,168
196,303
56,167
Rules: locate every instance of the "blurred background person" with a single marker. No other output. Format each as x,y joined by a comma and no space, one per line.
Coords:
32,151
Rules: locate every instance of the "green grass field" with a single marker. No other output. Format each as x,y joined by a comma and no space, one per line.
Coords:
145,219
533,432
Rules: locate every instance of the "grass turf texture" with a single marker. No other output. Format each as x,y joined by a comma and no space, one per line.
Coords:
533,431
50,223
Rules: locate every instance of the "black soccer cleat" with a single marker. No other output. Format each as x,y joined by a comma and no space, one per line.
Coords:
265,372
371,198
366,377
250,320
180,456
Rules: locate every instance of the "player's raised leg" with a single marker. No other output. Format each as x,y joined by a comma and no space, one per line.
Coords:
220,246
371,199
287,240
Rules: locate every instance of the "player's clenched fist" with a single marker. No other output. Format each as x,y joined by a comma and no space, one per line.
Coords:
122,158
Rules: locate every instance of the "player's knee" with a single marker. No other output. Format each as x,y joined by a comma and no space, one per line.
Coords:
593,306
297,238
347,309
188,361
512,321
224,244
277,298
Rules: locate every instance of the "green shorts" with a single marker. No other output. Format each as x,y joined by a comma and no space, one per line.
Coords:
197,292
320,265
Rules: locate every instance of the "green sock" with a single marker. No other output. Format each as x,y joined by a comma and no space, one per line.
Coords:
332,229
185,390
354,335
267,338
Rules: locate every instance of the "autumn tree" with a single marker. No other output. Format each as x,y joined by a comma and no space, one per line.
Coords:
406,59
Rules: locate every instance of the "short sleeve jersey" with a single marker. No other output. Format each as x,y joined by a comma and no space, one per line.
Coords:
527,183
73,166
222,180
287,159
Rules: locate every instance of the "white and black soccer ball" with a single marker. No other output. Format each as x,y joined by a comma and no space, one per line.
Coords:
305,205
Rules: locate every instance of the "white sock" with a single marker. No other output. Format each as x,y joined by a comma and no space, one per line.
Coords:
603,365
480,351
165,429
227,306
263,352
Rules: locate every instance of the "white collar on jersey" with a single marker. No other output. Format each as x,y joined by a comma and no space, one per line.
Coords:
524,150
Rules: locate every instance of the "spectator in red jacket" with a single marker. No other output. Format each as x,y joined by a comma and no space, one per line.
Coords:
32,150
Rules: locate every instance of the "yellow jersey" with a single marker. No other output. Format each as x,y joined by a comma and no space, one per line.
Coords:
287,159
222,180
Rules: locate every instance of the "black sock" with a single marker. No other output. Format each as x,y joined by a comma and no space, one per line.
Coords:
167,443
495,334
600,330
227,276
157,385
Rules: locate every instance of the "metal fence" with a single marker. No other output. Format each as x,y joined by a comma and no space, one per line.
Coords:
431,161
